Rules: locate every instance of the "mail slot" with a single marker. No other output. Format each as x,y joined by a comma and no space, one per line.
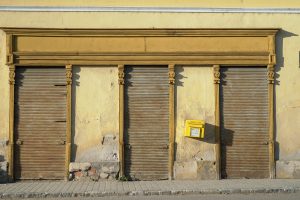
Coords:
194,128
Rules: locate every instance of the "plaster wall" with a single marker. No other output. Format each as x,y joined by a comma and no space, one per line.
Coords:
194,99
95,103
4,100
287,97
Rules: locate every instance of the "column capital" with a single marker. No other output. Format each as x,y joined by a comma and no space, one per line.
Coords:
121,74
271,74
172,74
216,74
69,74
12,74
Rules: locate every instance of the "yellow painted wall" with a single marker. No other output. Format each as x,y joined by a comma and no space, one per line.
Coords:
4,91
287,70
194,99
157,3
95,110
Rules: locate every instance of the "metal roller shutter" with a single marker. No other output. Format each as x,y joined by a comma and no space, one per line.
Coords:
146,122
244,122
40,123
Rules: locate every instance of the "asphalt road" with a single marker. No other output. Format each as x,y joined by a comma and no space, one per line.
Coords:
271,196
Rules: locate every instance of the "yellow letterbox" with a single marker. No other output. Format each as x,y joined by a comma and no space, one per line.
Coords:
194,128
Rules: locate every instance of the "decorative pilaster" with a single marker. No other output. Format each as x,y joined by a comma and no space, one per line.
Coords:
68,119
121,81
11,82
217,74
271,80
171,119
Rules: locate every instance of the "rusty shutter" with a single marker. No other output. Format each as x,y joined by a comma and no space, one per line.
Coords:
146,122
40,123
244,122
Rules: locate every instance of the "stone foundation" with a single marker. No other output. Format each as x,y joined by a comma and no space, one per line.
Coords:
97,163
288,169
96,171
195,170
3,162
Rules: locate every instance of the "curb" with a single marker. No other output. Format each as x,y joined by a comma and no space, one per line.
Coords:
149,193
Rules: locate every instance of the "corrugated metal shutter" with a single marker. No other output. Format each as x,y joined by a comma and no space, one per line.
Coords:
40,123
146,122
244,122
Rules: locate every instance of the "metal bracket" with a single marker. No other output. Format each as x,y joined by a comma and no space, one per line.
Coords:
61,142
265,143
19,142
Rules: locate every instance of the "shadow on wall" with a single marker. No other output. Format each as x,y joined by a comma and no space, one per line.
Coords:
178,82
75,83
281,35
210,137
279,47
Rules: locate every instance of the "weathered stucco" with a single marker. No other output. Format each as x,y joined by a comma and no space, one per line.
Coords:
91,126
95,114
194,96
4,95
4,99
194,99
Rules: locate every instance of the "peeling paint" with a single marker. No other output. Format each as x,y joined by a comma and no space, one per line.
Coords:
95,108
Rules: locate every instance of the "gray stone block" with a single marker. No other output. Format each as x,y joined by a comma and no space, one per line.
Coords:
206,170
85,166
95,177
288,169
195,170
104,175
185,170
107,166
79,166
73,167
3,145
3,166
94,171
3,172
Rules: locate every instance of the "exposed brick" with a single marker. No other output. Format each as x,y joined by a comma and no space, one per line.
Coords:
78,174
92,171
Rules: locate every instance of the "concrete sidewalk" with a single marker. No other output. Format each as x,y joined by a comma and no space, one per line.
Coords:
38,189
